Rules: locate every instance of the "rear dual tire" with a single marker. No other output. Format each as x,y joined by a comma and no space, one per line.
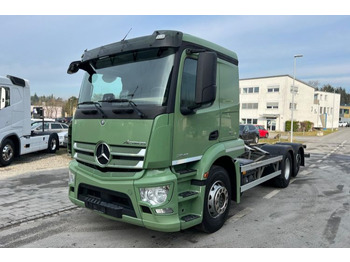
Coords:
282,181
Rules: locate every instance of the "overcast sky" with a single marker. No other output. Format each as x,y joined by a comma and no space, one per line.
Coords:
40,48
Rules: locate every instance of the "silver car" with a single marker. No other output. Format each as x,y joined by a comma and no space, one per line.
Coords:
49,127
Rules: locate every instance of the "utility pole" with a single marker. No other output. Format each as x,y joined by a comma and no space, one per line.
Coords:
293,94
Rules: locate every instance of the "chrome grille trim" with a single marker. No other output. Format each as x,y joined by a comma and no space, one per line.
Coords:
128,158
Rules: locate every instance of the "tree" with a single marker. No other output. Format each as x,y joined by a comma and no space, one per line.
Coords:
70,106
315,84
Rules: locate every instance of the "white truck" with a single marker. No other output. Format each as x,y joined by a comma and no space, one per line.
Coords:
16,137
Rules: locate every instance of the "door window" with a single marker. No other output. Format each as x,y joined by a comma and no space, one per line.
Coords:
188,85
4,97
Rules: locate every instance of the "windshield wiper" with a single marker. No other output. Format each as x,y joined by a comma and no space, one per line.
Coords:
96,104
131,103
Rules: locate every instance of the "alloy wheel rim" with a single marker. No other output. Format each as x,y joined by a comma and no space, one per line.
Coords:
7,153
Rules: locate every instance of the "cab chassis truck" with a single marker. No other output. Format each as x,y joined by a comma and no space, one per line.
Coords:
155,138
16,138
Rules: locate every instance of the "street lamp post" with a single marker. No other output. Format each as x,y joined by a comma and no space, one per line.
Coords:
293,94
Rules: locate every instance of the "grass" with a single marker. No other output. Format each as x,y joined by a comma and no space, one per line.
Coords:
272,140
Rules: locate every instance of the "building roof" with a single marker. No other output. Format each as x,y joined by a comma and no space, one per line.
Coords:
252,78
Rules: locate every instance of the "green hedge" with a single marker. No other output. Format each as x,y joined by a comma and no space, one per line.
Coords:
299,126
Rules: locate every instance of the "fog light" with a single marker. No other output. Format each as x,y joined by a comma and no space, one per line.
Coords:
71,178
154,195
164,210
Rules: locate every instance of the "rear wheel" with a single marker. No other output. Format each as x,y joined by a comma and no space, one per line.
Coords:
217,200
282,181
256,140
53,143
7,152
297,163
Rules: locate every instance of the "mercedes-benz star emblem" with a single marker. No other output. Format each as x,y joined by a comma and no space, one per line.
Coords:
102,154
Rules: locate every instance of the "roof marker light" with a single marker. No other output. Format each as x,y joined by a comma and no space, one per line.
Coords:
160,37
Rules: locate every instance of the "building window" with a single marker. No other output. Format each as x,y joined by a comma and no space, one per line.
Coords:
320,110
249,105
253,121
273,105
273,89
250,90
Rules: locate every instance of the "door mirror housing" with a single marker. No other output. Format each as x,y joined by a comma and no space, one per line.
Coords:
206,78
74,67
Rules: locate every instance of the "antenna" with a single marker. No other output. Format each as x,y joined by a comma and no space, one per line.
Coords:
126,34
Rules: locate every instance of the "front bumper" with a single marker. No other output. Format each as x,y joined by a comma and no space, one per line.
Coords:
119,198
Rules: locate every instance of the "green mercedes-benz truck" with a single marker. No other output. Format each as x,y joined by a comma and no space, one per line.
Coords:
155,138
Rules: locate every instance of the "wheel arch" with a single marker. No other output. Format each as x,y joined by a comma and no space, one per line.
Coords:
232,169
280,149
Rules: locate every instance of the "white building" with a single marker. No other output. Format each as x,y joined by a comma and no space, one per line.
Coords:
268,101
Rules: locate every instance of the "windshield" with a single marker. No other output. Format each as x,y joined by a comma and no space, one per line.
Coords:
141,76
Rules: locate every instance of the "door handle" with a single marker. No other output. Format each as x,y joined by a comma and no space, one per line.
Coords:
214,135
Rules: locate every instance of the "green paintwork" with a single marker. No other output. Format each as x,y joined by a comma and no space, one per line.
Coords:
164,146
113,132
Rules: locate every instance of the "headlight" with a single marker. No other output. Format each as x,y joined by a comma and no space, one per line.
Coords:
154,195
71,178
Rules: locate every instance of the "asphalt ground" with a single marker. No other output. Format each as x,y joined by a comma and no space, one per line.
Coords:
312,212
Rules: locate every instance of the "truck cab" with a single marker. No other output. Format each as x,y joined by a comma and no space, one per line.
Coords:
15,122
156,132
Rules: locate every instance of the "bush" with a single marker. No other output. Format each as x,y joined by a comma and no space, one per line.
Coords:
306,126
295,125
299,126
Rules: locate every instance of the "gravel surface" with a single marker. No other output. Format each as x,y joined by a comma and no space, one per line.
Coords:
35,162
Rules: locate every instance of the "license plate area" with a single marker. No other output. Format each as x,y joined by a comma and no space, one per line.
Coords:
103,207
106,201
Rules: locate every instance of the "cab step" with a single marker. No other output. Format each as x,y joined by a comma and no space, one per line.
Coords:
187,195
189,218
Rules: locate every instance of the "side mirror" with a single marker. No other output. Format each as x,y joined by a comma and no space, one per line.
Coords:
206,78
74,67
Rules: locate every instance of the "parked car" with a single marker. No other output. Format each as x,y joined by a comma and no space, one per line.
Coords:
63,138
65,120
263,133
342,124
249,133
49,127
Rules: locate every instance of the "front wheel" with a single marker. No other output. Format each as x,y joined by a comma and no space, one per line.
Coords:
217,200
7,152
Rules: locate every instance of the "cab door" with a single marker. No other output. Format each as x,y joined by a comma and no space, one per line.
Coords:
194,130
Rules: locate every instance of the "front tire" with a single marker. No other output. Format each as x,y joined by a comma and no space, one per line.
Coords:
7,152
217,200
